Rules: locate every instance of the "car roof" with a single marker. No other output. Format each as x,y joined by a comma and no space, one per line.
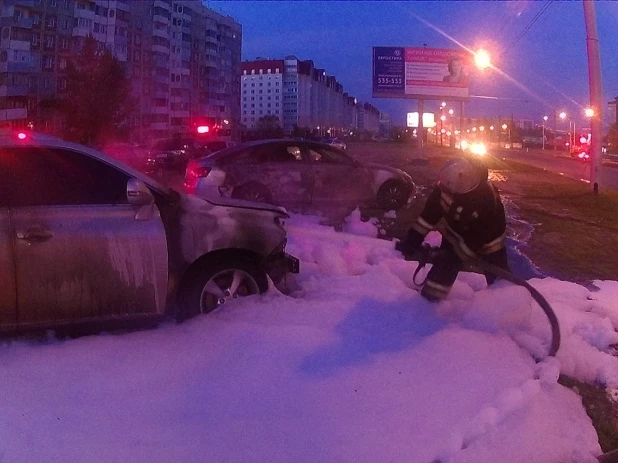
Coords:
9,139
273,142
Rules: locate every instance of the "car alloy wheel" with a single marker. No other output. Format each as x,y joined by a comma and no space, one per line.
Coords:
392,195
225,286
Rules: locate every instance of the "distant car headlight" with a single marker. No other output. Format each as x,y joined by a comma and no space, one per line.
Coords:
463,144
479,149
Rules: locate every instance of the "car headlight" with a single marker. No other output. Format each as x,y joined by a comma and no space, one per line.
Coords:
479,149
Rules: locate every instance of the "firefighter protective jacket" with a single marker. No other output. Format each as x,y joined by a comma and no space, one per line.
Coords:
474,222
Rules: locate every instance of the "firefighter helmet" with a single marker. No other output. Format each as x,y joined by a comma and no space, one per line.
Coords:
461,176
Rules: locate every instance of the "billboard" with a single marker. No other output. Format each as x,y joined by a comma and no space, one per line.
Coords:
420,73
428,120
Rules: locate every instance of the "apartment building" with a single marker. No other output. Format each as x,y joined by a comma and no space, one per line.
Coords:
182,58
611,112
299,94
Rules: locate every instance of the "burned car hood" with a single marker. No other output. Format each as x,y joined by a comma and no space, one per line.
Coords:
238,203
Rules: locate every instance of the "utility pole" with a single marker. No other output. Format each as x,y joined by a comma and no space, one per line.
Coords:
596,93
555,129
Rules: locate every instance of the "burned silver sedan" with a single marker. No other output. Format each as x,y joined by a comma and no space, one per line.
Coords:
299,175
85,239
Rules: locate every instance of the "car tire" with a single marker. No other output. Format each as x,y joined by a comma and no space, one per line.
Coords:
393,195
210,286
254,192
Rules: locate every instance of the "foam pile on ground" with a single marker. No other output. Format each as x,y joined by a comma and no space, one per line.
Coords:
353,366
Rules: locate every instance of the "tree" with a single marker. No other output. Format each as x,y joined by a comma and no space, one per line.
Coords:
268,127
268,123
98,100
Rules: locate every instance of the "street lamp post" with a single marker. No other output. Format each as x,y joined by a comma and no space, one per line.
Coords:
544,121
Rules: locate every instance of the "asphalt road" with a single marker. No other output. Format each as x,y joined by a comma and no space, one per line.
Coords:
563,165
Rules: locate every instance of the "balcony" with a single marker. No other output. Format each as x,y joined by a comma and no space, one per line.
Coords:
13,90
14,66
161,49
13,114
25,23
157,18
160,33
7,44
164,5
160,110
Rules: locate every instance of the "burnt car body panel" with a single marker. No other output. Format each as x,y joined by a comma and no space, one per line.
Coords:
72,255
321,177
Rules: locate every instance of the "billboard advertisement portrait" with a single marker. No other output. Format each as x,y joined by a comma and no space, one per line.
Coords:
420,73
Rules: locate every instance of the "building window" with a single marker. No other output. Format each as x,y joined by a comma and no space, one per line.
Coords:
66,4
138,40
64,43
35,39
46,83
36,19
62,63
63,84
52,2
50,41
48,62
112,13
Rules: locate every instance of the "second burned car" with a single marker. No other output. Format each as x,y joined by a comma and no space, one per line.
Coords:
299,175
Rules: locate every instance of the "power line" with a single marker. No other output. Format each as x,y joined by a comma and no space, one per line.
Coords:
528,27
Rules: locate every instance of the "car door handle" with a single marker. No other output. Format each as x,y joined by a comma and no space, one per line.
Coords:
35,235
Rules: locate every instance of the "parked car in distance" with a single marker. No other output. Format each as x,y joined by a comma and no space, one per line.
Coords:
336,142
172,155
299,175
130,154
84,239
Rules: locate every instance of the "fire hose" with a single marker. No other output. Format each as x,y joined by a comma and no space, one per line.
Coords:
430,255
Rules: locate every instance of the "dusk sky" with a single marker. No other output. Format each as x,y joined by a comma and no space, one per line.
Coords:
549,61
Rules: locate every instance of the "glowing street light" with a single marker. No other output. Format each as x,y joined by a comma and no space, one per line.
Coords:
443,118
589,112
482,128
443,104
451,112
443,131
482,59
491,127
504,126
545,118
563,115
474,129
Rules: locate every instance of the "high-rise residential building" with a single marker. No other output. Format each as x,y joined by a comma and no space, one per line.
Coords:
611,112
299,95
182,58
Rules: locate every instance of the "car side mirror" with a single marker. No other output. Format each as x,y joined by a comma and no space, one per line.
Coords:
138,193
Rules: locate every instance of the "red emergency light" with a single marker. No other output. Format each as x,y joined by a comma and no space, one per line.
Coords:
203,129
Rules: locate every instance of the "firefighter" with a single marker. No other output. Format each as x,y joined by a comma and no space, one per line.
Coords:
467,210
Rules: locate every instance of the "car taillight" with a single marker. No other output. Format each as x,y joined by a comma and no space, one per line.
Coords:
193,174
196,172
